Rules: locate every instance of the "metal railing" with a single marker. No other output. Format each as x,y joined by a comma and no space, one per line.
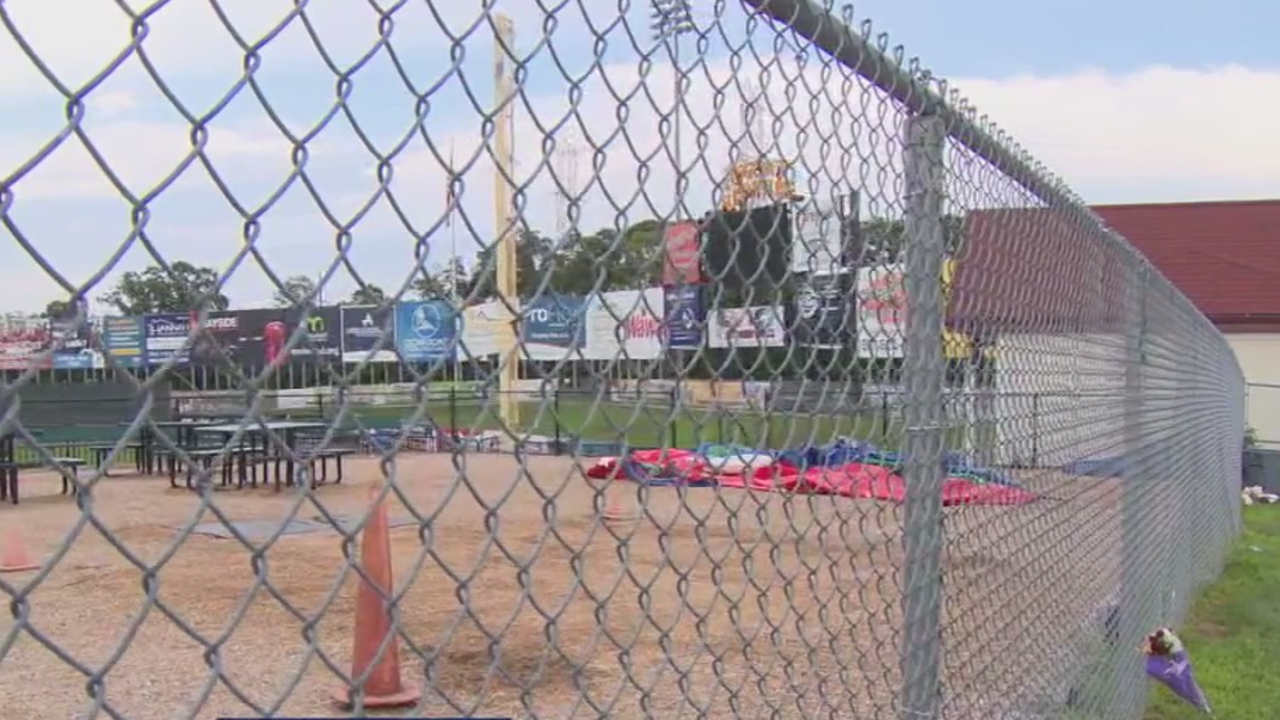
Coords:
753,532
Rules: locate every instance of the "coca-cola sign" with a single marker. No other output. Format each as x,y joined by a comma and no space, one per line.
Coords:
682,254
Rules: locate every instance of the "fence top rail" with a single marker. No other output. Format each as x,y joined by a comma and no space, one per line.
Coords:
923,94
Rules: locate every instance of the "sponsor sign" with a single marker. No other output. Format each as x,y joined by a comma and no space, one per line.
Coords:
219,337
552,325
73,343
426,330
682,254
22,340
823,314
484,329
123,341
757,326
165,338
684,318
882,311
625,325
322,340
368,334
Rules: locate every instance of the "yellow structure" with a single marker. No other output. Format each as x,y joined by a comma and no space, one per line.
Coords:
761,180
956,345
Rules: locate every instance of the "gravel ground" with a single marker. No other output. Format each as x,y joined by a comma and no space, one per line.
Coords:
720,604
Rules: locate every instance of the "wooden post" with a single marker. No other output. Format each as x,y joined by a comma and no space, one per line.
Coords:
504,219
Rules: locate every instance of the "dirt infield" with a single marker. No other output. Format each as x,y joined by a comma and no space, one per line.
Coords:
727,603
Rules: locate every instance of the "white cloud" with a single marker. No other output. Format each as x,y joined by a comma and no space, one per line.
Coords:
113,104
1158,134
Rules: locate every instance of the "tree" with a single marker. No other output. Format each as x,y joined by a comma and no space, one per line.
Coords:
180,288
882,238
608,260
368,294
444,282
296,290
532,252
58,309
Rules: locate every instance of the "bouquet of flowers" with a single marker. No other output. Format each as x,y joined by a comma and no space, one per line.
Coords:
1168,663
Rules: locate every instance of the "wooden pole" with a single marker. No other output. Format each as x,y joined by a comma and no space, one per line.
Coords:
504,219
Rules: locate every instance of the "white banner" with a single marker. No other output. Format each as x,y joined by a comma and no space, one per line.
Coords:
625,325
759,326
815,241
483,330
882,311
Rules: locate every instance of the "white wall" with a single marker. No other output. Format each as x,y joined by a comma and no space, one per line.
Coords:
1059,398
1259,357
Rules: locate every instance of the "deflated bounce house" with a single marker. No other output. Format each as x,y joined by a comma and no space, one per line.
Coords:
847,468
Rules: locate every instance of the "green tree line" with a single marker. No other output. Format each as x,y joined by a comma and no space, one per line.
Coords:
577,264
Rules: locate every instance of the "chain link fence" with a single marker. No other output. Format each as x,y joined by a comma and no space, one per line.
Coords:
984,450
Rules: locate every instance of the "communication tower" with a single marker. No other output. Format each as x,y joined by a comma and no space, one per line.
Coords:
568,154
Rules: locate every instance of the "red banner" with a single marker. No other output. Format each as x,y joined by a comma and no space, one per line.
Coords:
21,342
682,255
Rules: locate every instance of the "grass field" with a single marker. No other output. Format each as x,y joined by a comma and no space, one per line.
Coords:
648,425
1233,634
636,424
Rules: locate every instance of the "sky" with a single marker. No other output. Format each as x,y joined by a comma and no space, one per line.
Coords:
265,142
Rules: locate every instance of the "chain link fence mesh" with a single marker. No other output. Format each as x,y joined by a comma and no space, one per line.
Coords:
974,509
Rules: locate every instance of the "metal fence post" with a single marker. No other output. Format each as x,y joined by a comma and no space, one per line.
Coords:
1135,604
923,374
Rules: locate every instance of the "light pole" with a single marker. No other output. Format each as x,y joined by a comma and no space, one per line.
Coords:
671,19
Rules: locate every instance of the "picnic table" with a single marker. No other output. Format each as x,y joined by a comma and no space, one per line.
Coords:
258,434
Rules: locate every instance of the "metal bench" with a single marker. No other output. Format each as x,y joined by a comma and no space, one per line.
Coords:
9,476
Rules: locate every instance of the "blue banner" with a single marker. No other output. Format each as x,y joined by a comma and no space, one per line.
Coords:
122,340
165,338
556,320
426,330
685,317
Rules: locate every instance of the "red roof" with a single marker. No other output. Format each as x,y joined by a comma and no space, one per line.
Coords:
1036,270
1224,256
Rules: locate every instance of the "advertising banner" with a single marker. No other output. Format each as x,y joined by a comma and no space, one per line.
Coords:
758,326
682,254
123,340
625,325
22,339
368,334
824,313
216,343
257,339
323,339
825,240
484,327
165,338
73,344
684,317
426,330
553,326
882,311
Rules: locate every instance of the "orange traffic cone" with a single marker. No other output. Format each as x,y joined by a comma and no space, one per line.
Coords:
614,510
13,552
383,688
